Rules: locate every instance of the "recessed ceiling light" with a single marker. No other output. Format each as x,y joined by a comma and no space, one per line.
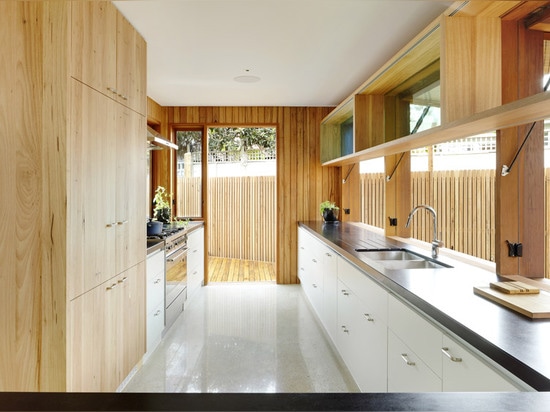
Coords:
247,79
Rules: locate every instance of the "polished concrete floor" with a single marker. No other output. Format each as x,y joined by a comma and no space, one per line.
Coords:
235,337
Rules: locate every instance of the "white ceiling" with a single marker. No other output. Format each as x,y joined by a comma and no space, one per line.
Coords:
305,52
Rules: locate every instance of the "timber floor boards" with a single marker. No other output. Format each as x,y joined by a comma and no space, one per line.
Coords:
237,270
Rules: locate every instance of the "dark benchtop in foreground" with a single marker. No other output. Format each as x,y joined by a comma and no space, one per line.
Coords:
519,344
524,401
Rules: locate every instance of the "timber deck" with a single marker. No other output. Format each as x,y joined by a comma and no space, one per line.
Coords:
237,270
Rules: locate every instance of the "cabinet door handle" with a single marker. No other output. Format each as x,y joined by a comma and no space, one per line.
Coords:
122,222
345,329
451,357
158,312
345,292
328,254
369,319
405,357
157,281
314,285
109,225
112,90
123,279
112,286
314,260
123,96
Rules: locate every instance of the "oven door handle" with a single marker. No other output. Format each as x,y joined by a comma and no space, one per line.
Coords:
171,258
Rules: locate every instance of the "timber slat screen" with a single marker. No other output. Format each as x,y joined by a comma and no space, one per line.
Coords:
241,216
464,201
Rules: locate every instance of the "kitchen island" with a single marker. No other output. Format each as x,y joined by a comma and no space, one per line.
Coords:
445,295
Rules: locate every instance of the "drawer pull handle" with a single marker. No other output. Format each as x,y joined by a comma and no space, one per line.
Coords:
112,286
369,319
122,222
314,285
345,292
157,281
451,357
157,313
314,260
405,357
123,280
328,254
345,329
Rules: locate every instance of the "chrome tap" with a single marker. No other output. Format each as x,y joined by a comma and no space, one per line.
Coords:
436,244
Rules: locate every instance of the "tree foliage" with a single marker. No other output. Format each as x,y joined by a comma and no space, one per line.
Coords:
231,139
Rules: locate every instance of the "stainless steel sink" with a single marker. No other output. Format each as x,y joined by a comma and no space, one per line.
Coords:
392,255
402,259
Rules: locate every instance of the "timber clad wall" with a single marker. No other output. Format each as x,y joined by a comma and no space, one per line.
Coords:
301,181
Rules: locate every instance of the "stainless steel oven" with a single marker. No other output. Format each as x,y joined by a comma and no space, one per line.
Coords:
176,276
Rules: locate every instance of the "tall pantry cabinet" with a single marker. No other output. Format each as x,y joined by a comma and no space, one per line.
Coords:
72,166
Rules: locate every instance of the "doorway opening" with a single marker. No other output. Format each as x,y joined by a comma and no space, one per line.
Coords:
241,204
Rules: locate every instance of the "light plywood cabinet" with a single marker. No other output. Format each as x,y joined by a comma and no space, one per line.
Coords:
107,332
107,233
60,329
129,146
91,189
108,54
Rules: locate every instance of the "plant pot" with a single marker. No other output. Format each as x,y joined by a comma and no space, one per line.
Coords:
154,228
163,215
330,215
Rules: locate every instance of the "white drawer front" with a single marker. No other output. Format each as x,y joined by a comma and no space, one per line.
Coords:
419,334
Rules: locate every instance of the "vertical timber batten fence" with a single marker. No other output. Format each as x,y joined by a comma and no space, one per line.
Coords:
465,204
241,216
242,213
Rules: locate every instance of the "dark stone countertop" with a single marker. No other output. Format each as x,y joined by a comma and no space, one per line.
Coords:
519,344
523,401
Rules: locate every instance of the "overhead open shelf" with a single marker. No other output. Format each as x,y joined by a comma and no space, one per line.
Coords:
454,65
519,112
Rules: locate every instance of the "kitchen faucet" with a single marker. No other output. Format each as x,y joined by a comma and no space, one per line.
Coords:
436,244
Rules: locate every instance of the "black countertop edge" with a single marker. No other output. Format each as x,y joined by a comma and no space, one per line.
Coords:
524,401
527,374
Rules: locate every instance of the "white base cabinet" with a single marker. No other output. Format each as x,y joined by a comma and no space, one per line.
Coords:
423,358
362,338
195,261
155,299
387,345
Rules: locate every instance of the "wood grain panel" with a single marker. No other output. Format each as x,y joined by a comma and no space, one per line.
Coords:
301,181
470,50
21,170
54,214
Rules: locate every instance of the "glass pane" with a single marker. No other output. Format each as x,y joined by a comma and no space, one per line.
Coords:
189,173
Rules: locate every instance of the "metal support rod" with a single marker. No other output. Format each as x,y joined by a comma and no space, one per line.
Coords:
349,172
414,130
506,169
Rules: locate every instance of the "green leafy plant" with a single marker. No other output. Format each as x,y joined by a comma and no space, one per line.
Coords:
327,205
162,204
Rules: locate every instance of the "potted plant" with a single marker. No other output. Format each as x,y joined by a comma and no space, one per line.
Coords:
162,210
329,211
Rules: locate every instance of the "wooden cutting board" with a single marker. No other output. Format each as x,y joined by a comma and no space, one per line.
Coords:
534,306
514,287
